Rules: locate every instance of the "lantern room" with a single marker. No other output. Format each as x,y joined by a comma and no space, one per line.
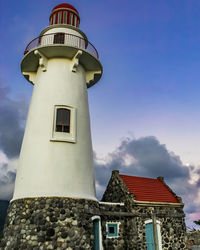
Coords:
64,14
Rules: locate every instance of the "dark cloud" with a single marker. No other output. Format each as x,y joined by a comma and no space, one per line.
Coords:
12,120
12,116
198,183
153,159
148,158
7,179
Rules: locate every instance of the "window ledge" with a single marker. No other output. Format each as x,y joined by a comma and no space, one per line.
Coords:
112,237
72,140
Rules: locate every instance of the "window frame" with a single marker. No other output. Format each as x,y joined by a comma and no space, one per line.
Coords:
64,136
116,226
65,17
59,38
75,20
54,19
62,123
71,18
59,17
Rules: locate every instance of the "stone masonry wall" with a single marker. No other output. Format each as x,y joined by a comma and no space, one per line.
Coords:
49,223
193,239
127,227
133,216
116,190
172,225
132,226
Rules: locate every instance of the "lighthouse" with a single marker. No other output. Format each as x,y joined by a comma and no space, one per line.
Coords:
56,155
54,202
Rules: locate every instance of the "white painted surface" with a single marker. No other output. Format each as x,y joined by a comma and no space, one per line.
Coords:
97,217
71,37
63,30
52,168
111,203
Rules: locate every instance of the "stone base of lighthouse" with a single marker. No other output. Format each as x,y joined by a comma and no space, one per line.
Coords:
50,223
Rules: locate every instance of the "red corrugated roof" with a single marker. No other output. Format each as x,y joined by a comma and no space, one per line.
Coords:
147,189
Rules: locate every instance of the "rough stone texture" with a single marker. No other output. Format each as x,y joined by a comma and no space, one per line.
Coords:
49,223
193,239
133,216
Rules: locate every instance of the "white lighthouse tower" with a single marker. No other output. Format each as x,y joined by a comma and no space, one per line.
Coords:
56,158
54,204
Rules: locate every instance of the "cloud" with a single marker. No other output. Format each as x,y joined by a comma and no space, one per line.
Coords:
7,177
12,113
12,121
143,157
147,157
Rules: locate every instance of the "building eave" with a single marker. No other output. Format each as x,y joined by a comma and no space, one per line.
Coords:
153,203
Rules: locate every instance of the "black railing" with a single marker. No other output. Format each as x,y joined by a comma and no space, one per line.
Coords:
62,38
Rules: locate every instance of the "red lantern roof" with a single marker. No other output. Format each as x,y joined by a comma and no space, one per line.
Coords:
148,189
64,5
64,13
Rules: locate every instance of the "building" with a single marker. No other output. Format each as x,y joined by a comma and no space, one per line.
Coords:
54,204
141,213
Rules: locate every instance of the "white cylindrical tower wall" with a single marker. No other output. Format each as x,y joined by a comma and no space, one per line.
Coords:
52,165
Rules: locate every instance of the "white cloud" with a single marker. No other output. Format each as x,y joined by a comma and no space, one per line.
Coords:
148,158
7,177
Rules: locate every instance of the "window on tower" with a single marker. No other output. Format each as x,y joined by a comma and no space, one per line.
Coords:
59,38
54,18
64,124
65,17
71,18
75,21
59,17
63,120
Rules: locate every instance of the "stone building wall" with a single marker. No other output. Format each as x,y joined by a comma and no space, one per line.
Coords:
116,190
49,223
127,227
171,222
193,239
132,229
132,226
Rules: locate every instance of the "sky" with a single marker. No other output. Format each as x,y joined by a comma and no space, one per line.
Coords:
144,111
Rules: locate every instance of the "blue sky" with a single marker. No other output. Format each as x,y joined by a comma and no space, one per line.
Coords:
148,94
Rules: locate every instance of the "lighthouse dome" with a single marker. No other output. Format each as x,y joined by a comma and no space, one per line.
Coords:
64,13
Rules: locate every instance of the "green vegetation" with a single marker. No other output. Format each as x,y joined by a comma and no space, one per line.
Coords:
3,212
197,222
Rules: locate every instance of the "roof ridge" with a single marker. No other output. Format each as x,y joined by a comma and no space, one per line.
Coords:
138,177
